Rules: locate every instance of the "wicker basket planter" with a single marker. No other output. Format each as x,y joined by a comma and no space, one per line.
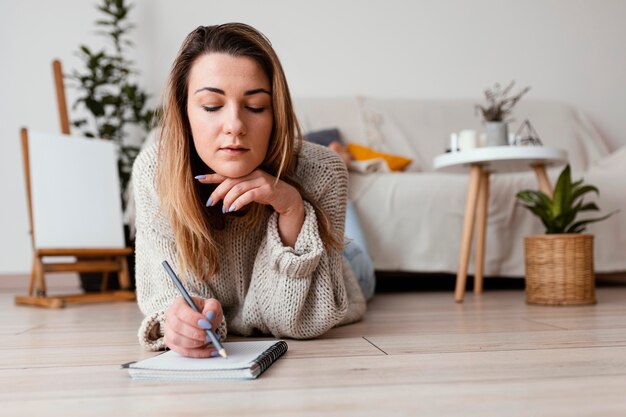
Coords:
559,269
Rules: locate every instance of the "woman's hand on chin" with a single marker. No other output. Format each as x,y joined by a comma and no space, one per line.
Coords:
262,188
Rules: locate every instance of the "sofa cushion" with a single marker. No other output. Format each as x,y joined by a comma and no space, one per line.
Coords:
324,137
363,153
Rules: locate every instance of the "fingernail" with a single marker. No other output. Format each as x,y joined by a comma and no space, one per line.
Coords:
210,315
215,354
223,209
231,209
209,202
202,323
200,177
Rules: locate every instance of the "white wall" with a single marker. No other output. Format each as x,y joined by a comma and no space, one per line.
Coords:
567,50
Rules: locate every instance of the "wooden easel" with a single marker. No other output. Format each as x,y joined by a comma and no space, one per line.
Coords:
105,260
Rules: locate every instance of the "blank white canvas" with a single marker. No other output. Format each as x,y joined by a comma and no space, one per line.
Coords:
75,192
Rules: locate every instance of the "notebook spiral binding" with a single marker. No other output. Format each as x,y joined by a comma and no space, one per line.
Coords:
268,357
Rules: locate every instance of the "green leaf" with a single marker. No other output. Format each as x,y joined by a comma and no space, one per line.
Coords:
564,219
587,207
85,50
96,108
546,201
528,196
573,229
584,190
577,184
539,204
109,99
562,191
107,131
580,225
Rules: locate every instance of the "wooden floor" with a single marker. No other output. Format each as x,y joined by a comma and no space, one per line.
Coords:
415,354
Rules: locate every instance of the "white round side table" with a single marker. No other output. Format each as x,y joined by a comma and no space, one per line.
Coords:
481,162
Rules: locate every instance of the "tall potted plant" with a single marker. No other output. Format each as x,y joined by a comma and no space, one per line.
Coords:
115,104
111,103
559,264
496,112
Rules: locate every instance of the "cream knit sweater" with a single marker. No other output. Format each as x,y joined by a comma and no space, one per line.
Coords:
264,286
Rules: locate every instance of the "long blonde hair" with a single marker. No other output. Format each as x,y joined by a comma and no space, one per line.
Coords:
181,196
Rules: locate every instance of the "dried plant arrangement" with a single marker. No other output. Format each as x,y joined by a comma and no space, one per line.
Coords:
499,103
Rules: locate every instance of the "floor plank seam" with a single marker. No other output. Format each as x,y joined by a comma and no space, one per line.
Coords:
41,326
370,342
449,352
360,355
547,324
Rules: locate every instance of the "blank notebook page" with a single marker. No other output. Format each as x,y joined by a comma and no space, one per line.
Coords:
240,356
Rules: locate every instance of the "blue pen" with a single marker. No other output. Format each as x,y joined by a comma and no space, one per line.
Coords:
179,285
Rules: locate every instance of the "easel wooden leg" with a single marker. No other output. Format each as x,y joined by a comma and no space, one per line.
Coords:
468,230
105,278
31,282
48,302
40,282
105,281
124,276
481,232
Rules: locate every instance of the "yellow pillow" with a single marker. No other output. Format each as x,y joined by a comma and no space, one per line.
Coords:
363,153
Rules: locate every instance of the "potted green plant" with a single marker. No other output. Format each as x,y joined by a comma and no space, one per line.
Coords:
496,112
559,264
111,104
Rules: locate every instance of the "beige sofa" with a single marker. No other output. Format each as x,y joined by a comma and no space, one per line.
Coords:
412,220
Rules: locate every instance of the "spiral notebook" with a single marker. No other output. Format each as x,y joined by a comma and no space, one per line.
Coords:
246,360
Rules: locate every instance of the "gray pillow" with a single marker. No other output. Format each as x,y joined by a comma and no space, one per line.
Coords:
324,137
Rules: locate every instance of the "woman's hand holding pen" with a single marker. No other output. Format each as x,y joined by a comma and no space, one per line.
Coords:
185,329
262,188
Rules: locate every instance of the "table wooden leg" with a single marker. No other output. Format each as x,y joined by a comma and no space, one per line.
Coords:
481,231
468,229
542,179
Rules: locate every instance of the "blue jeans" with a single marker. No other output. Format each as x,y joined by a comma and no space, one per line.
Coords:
355,252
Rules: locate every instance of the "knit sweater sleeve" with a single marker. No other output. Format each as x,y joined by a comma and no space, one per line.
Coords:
300,291
155,243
